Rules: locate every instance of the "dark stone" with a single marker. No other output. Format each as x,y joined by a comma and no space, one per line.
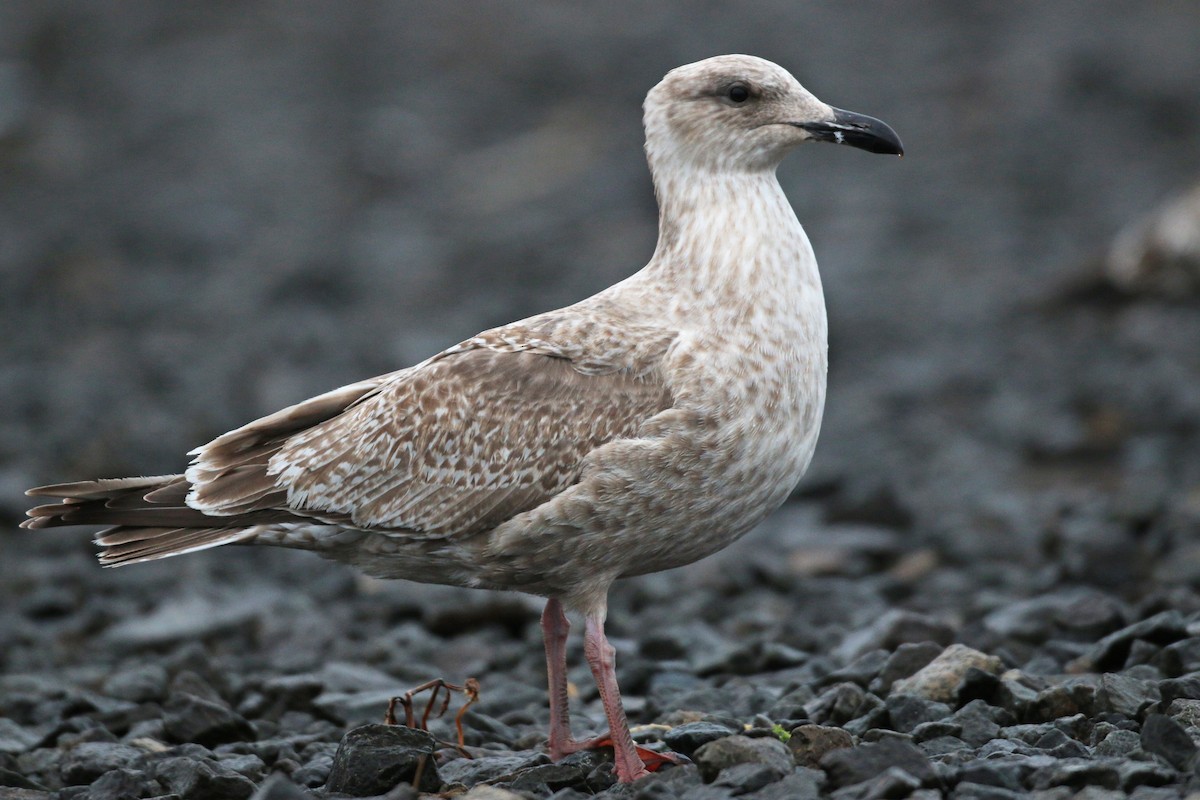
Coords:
803,784
1118,743
837,705
906,661
871,714
246,764
88,761
1179,658
968,790
470,771
1077,773
1165,737
189,718
722,753
943,745
196,779
371,759
891,783
862,670
1123,694
745,778
1059,745
977,722
1187,688
934,729
1144,773
858,764
1111,652
141,684
546,779
810,743
907,711
1072,697
1006,774
14,738
122,784
315,772
279,787
892,629
690,736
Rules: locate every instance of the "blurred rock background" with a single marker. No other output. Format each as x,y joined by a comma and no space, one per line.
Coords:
208,211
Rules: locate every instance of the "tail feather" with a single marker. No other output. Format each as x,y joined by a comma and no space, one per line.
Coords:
150,516
163,543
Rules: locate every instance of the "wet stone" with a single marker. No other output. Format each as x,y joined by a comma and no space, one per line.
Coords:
470,771
140,684
120,784
87,761
810,743
197,779
687,738
892,782
1111,652
189,718
1165,737
892,629
907,711
837,705
903,663
716,756
857,764
372,759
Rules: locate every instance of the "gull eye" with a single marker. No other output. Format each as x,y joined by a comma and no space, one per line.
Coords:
738,93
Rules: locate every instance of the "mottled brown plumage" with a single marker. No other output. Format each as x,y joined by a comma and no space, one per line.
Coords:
640,429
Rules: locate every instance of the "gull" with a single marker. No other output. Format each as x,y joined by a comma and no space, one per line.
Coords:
638,430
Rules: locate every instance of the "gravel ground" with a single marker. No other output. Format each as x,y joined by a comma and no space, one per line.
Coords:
988,586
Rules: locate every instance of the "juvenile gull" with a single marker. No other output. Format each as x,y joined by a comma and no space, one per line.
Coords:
641,429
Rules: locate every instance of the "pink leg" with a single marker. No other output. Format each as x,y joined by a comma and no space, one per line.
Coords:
554,631
602,658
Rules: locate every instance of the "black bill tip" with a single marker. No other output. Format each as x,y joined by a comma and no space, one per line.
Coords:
856,130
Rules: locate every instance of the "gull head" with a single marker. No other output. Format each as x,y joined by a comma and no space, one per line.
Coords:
744,114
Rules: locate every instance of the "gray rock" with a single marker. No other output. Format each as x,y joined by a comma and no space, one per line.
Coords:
810,743
1165,737
546,779
88,761
188,718
837,705
892,629
246,764
857,764
123,784
470,771
1124,695
1179,658
803,784
715,756
968,790
198,779
279,787
1111,652
976,723
1118,744
892,782
16,738
745,778
144,683
1077,773
907,711
904,662
372,759
940,679
690,736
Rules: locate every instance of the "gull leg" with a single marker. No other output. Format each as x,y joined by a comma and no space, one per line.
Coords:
602,658
554,632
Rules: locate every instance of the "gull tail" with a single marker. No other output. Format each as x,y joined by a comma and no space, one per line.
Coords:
150,517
